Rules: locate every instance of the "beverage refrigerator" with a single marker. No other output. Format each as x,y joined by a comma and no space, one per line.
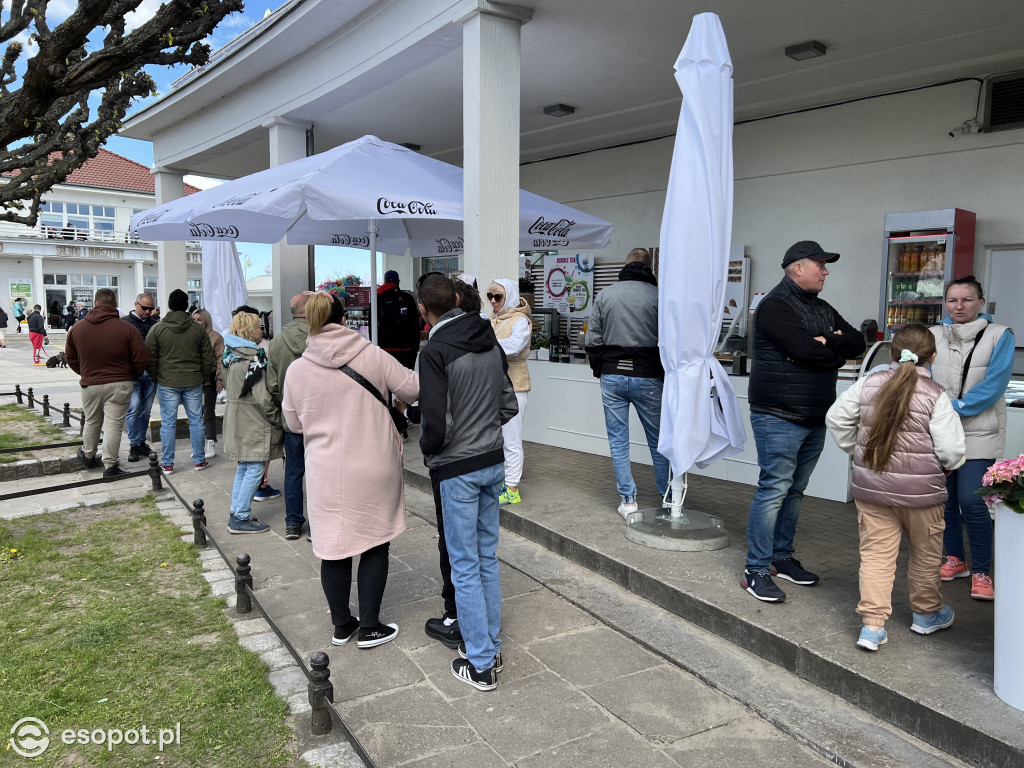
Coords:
923,251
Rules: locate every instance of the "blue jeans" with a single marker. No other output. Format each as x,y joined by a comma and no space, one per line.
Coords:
248,477
617,392
786,454
170,398
470,508
294,470
143,392
965,507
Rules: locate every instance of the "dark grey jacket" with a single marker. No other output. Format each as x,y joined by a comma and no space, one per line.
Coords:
465,396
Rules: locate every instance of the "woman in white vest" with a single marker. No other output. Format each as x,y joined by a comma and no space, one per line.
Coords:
512,325
974,362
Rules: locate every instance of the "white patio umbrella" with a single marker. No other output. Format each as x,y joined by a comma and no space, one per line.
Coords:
368,194
700,418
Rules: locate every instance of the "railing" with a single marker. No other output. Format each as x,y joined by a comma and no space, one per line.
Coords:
64,235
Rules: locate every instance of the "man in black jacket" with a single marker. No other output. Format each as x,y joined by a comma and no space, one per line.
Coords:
143,388
800,343
465,397
398,321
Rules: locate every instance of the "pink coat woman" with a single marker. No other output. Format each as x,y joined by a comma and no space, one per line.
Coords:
355,495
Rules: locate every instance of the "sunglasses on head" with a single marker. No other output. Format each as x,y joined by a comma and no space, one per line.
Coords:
495,296
424,276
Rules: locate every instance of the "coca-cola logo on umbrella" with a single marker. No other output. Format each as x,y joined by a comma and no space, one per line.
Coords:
387,207
199,229
343,239
444,245
554,229
150,218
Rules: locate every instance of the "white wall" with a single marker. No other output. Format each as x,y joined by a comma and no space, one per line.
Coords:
829,175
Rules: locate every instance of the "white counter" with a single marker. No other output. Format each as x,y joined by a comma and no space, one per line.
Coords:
564,409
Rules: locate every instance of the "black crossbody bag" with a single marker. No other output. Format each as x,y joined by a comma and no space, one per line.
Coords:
401,423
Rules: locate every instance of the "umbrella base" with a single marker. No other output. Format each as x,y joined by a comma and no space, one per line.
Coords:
690,532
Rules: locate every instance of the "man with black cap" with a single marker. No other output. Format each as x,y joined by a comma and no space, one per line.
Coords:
180,361
398,321
800,342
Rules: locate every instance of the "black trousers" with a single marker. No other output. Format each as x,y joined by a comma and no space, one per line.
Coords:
447,588
210,411
372,577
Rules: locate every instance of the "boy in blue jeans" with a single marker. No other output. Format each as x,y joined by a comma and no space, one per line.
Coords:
465,397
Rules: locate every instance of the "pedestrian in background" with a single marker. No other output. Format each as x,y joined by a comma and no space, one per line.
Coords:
513,325
215,384
19,311
109,356
252,425
905,438
3,327
285,349
180,362
335,396
143,388
37,334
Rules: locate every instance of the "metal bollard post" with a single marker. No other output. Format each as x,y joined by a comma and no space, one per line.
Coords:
67,415
31,399
154,471
46,406
320,690
199,524
18,395
243,579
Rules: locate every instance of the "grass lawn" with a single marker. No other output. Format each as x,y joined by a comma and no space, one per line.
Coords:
107,623
20,426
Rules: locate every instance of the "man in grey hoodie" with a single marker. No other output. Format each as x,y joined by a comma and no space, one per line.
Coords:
285,349
622,347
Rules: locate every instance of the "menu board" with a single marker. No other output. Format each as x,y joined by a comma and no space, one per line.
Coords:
569,283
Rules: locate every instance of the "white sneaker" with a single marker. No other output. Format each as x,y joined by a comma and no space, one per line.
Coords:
211,448
627,508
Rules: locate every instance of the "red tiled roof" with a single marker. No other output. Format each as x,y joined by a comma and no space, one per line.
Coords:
110,170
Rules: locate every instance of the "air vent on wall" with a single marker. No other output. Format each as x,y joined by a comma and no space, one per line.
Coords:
1004,102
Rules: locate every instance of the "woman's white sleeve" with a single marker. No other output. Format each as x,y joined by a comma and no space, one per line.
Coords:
519,339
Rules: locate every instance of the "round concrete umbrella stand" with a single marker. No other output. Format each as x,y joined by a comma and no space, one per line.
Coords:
1008,673
689,532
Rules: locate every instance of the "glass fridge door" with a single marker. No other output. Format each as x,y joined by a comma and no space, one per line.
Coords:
916,274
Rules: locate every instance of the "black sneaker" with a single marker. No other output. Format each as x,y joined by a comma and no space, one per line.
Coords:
86,461
114,471
292,532
791,570
447,634
144,449
482,681
761,586
345,632
371,637
498,666
135,453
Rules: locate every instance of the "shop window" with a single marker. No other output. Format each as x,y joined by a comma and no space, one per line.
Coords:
48,280
195,283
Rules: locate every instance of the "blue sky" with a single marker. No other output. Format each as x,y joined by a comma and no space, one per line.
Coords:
330,261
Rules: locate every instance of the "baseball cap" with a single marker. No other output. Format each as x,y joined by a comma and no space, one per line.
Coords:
808,249
391,276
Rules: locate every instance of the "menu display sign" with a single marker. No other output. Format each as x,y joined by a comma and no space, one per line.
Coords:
569,283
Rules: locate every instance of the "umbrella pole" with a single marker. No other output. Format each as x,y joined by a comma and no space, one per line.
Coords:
677,494
373,281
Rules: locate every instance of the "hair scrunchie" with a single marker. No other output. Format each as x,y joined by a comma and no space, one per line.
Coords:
906,356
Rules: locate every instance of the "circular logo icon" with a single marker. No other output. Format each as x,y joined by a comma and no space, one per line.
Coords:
30,737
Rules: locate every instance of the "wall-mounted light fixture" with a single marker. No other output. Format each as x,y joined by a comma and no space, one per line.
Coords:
811,49
558,110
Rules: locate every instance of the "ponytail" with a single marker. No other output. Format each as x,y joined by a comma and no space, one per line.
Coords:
913,345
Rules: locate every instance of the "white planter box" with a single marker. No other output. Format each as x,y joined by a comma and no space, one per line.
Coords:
543,354
1008,677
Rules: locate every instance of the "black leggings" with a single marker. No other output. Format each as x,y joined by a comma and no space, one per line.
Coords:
210,411
336,579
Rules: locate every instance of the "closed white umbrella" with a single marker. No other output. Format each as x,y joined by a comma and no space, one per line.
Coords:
700,418
223,282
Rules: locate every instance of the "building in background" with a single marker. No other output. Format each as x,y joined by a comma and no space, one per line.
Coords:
82,243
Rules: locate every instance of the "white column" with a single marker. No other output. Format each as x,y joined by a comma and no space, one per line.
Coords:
290,262
490,124
38,291
140,284
170,254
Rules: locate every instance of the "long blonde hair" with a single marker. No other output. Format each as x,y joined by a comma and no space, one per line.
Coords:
892,405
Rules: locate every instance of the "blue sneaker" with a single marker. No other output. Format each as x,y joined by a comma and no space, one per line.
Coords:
871,638
761,586
925,624
266,493
250,525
